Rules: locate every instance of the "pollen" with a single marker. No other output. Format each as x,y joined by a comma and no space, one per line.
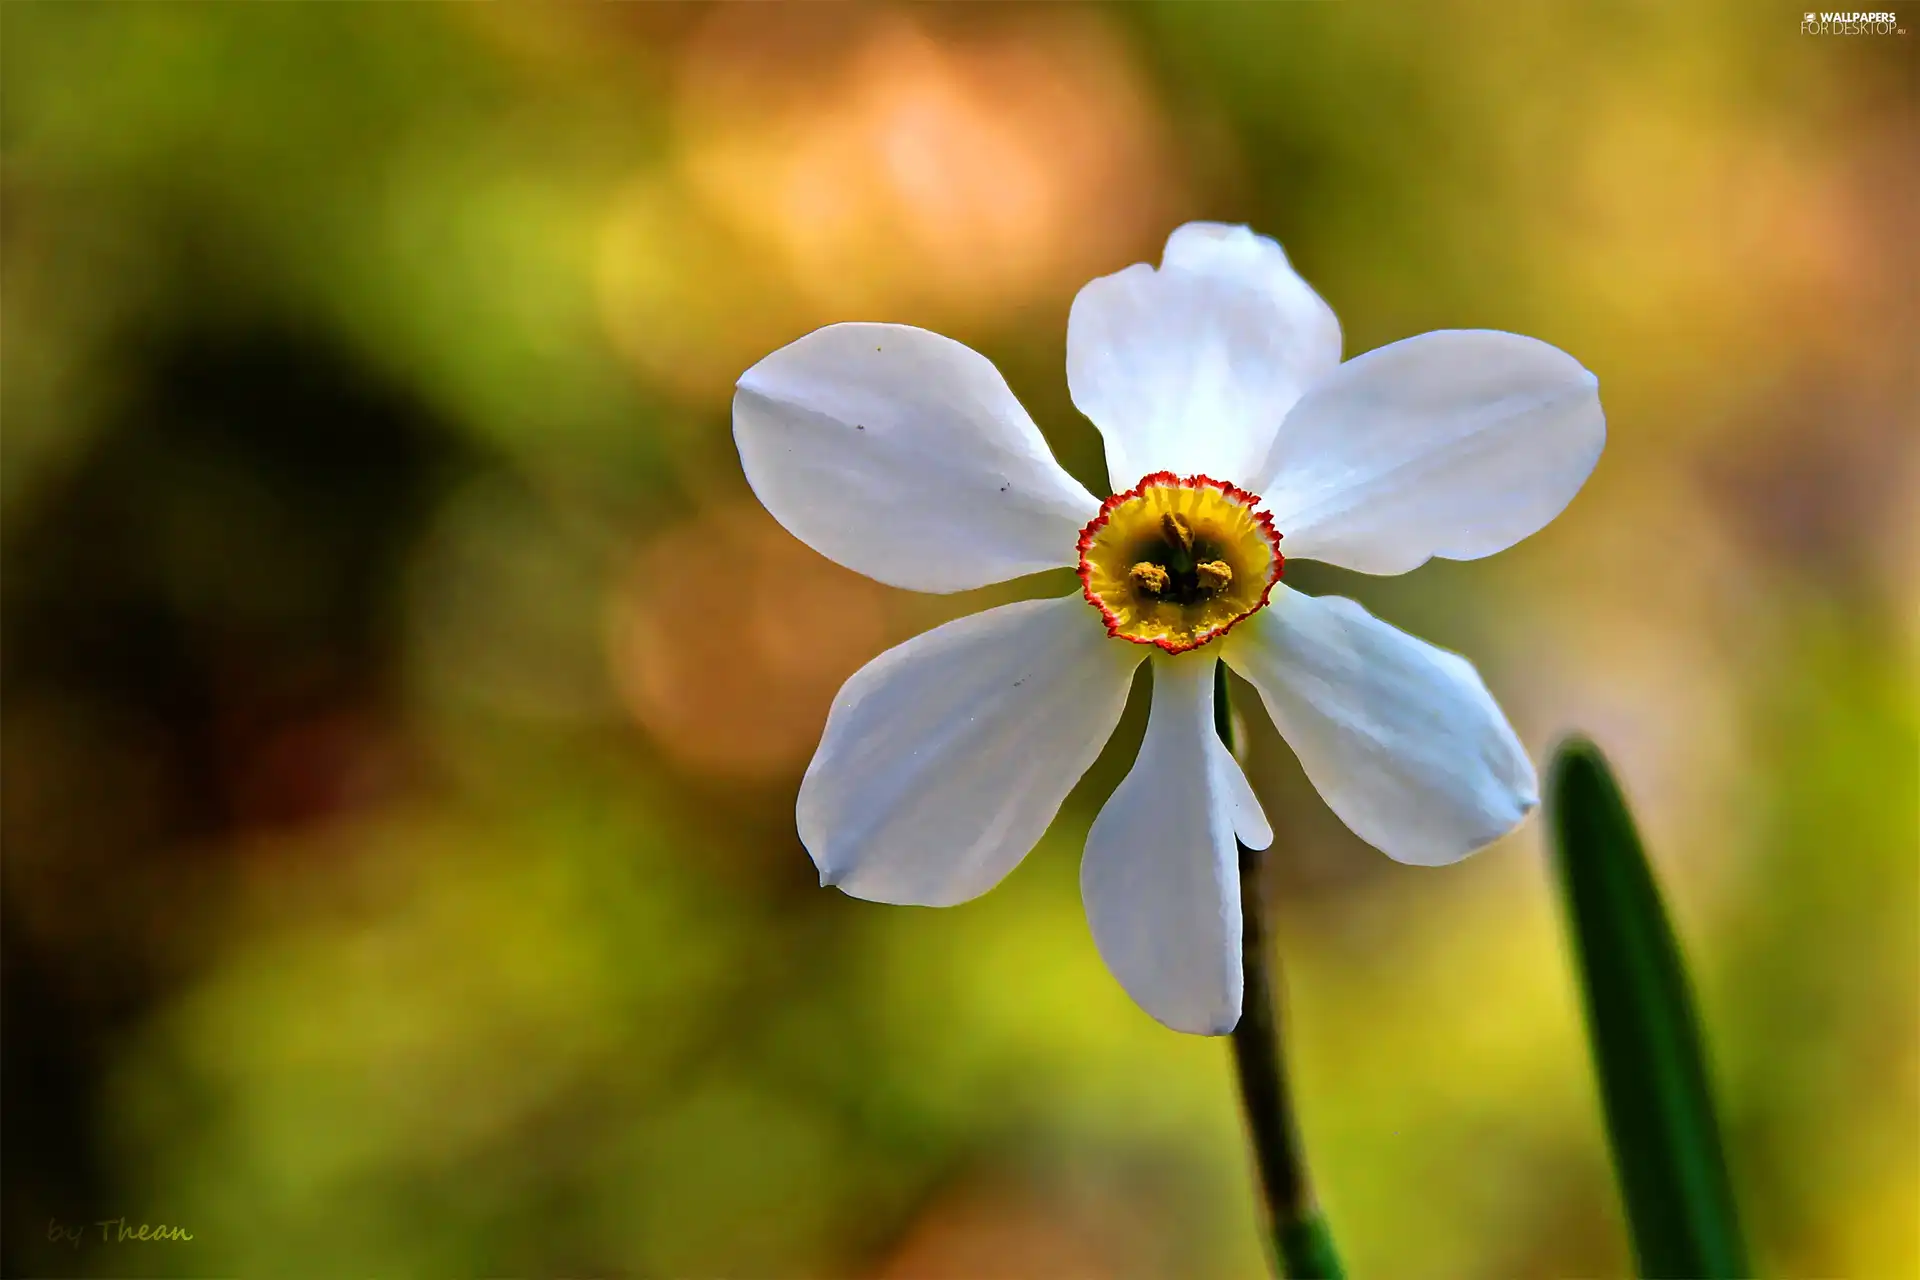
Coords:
1175,562
1214,575
1149,578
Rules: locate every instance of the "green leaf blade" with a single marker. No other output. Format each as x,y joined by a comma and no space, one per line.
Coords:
1645,1038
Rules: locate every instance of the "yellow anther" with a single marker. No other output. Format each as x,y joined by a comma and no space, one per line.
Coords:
1214,575
1150,578
1178,531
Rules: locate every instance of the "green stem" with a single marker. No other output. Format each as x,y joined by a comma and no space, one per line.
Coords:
1301,1240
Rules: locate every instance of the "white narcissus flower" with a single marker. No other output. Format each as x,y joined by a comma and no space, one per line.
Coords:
1230,423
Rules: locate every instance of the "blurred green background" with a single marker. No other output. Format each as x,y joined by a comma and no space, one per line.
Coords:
397,883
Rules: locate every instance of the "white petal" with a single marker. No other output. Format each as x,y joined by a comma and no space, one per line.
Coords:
1161,876
1457,444
1191,368
945,758
903,455
1401,738
1249,819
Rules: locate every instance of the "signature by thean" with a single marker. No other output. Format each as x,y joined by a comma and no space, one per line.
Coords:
114,1231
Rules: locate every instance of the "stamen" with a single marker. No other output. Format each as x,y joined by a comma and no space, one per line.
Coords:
1178,531
1177,561
1150,578
1214,575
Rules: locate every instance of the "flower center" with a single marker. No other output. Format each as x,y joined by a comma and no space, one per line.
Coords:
1176,562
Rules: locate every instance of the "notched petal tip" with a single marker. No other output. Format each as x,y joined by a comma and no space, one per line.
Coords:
1215,1022
1430,856
830,875
1256,836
